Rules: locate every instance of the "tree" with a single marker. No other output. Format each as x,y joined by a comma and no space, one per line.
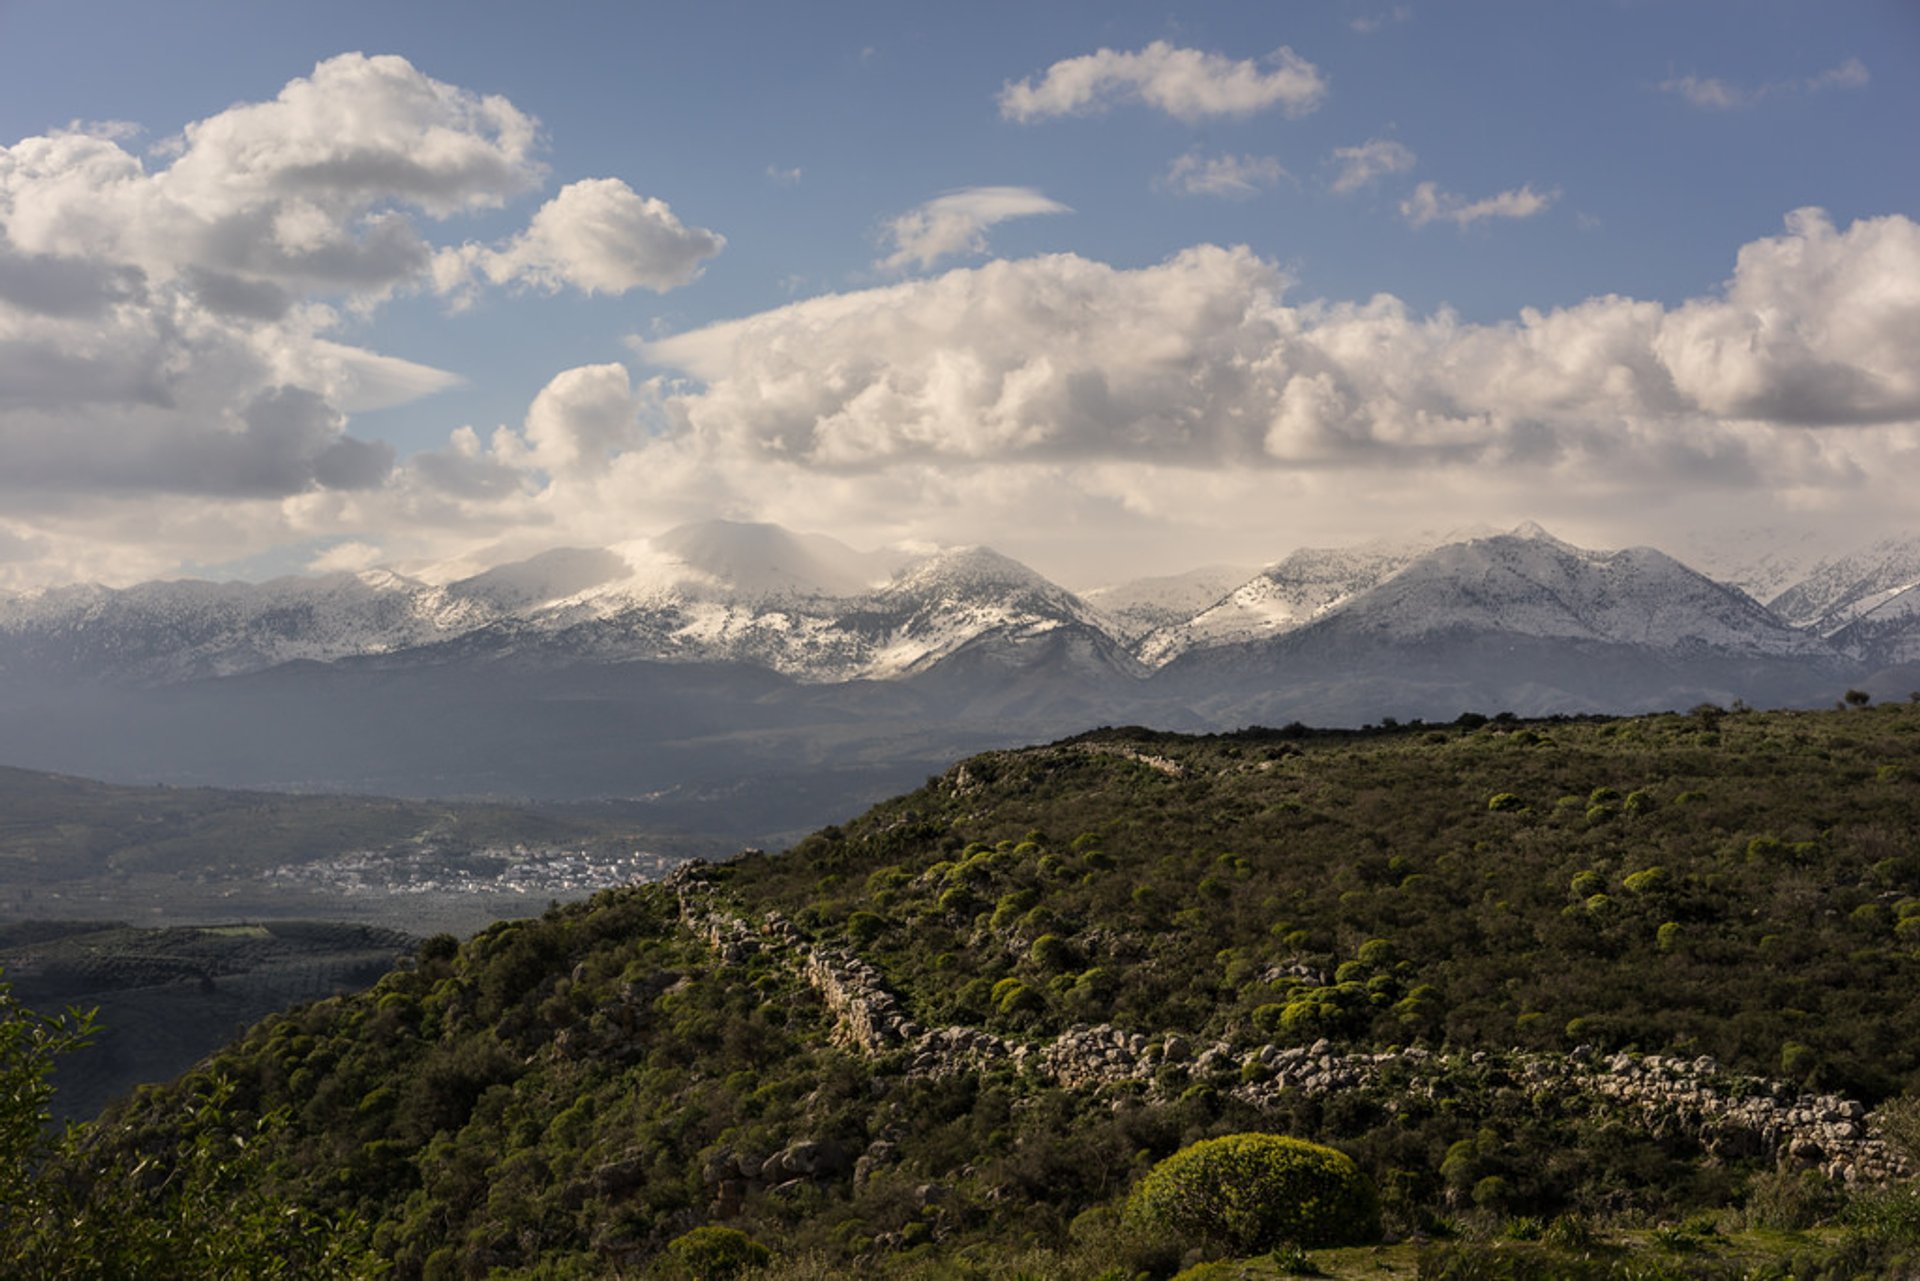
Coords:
202,1209
1246,1193
29,1044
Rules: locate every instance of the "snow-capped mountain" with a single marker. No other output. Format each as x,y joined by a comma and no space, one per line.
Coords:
1529,583
1841,589
1144,605
818,611
171,631
1887,635
1285,595
1522,620
775,678
804,606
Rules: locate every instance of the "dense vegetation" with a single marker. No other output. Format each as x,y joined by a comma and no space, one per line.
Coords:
577,1094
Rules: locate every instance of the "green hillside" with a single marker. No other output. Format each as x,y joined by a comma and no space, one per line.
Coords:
1578,998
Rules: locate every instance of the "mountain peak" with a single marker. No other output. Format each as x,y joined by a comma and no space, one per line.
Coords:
1534,532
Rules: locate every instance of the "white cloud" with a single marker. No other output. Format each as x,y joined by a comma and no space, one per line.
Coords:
1713,94
349,557
598,236
784,177
1429,203
1234,177
1817,327
957,222
1373,24
1371,160
304,193
1188,84
1851,74
172,321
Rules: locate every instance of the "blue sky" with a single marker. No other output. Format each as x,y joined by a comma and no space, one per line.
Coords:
1090,282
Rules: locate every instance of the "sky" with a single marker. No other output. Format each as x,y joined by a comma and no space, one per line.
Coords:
1116,288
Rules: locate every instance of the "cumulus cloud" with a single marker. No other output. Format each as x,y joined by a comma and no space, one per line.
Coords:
1817,327
1711,93
304,193
1188,84
171,320
1429,203
1373,159
165,330
957,223
1229,176
598,236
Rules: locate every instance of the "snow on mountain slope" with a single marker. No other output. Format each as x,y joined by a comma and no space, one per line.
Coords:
756,595
1840,589
1143,605
188,628
818,611
1529,583
1761,560
955,597
1281,597
1884,634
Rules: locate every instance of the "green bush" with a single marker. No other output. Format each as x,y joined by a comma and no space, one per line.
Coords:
1649,880
716,1254
1246,1193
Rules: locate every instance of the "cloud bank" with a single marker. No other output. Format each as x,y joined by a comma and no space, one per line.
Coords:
1088,415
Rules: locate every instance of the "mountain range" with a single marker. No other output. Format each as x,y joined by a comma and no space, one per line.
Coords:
755,678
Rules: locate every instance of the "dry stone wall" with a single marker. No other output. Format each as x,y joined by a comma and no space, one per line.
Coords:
1730,1116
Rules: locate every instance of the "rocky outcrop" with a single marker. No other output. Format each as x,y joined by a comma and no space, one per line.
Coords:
1165,765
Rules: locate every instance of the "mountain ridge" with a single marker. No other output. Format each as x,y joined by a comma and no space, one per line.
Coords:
716,672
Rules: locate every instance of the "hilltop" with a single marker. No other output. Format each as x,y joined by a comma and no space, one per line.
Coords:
1597,974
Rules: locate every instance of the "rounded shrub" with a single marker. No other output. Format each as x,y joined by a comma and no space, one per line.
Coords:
715,1253
1247,1193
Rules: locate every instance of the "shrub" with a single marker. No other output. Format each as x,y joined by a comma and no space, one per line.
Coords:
864,927
1051,953
1246,1193
1646,881
1505,802
716,1254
